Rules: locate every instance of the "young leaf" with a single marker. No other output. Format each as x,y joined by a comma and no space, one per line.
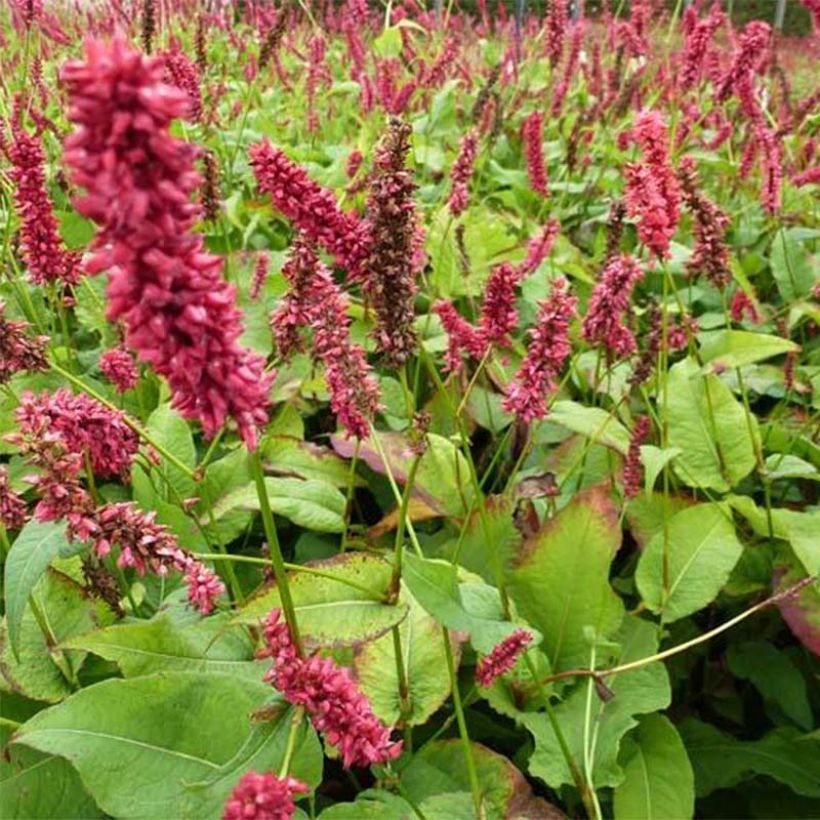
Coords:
658,780
592,422
560,580
791,266
695,555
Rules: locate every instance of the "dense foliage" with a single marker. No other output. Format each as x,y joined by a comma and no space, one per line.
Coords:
405,416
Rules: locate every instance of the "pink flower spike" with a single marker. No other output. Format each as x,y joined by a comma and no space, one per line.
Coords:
180,314
119,368
502,658
263,797
330,697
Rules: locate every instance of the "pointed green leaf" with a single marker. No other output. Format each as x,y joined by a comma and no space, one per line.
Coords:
735,348
709,427
35,547
592,422
560,579
658,780
696,556
137,743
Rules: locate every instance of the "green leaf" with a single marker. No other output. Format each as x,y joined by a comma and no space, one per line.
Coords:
709,427
314,505
163,645
442,477
425,665
560,579
434,585
137,743
592,422
721,761
264,749
781,466
792,266
286,455
646,514
389,43
775,676
700,550
330,611
637,692
171,431
224,479
34,784
654,460
439,770
35,547
68,611
371,804
735,348
658,779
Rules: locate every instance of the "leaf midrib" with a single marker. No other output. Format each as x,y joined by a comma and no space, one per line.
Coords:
119,739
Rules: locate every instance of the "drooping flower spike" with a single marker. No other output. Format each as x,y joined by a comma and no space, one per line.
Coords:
179,313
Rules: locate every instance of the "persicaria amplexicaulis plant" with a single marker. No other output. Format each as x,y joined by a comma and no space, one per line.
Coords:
408,412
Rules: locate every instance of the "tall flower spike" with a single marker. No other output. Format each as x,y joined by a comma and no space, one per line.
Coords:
330,697
549,346
652,193
499,314
19,349
463,338
534,154
462,172
312,209
711,253
179,313
605,323
43,252
263,797
389,280
315,301
633,469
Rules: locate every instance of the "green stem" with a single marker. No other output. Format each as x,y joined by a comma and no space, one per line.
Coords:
277,560
475,788
295,723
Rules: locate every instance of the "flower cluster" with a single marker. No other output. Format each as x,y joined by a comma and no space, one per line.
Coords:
633,469
388,283
312,209
330,697
462,172
539,247
710,255
148,546
12,507
604,323
314,300
742,307
85,428
652,193
549,346
531,137
556,25
696,44
183,74
43,252
751,51
462,336
180,315
502,658
19,350
263,797
119,367
260,275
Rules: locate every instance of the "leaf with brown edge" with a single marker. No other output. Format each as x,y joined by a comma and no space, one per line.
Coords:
344,606
560,580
